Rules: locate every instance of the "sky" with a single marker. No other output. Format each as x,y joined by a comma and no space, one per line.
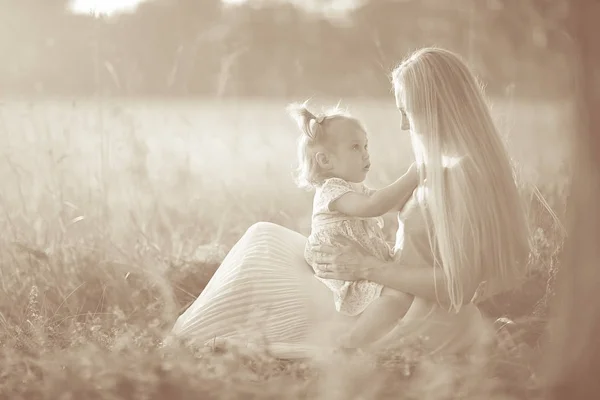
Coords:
106,7
326,7
112,7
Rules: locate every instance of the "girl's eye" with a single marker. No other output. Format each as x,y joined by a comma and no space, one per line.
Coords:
355,147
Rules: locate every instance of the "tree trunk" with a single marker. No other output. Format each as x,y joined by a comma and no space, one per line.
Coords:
572,356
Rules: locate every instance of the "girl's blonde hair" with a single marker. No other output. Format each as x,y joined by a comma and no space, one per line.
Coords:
480,229
316,134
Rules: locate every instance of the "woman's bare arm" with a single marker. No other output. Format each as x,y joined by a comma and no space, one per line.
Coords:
420,281
423,281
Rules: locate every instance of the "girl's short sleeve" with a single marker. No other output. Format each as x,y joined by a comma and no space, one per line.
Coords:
333,189
367,190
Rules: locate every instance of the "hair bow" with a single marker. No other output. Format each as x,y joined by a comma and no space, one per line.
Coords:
320,119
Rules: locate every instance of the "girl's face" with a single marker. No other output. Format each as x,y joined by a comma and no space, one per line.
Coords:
349,156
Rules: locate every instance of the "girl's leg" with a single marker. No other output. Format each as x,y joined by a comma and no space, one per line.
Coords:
379,318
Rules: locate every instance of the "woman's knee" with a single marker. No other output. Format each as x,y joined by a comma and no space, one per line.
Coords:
260,227
274,232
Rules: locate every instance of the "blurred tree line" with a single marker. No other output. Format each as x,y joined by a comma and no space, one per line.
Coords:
272,48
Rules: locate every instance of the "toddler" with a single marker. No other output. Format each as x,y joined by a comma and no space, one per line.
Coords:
334,160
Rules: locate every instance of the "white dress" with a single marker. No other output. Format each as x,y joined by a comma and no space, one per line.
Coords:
336,229
264,292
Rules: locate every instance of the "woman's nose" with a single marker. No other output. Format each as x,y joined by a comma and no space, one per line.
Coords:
405,125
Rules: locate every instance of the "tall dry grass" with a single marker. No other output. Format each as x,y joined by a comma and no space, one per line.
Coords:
114,216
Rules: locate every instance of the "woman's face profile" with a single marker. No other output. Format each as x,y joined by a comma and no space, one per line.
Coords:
404,121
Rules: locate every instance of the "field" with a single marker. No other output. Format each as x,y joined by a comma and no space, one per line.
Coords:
114,214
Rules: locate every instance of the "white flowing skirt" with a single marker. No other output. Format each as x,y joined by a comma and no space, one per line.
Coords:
265,293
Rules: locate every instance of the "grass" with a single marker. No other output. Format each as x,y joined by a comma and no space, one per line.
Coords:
114,215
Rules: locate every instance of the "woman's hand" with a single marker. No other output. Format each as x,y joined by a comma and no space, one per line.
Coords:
346,263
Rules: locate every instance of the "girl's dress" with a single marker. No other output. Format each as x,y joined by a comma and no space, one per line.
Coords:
336,229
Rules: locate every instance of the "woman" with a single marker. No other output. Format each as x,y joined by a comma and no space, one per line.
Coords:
464,226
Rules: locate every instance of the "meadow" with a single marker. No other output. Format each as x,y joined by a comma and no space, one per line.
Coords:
115,213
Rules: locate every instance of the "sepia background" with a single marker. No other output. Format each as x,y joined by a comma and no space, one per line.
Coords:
138,144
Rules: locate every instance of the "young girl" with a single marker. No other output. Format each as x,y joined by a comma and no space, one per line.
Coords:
334,159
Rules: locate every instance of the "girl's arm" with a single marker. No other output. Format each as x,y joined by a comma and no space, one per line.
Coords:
381,201
402,201
399,205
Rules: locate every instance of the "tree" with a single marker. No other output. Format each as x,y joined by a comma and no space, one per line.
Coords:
179,47
573,348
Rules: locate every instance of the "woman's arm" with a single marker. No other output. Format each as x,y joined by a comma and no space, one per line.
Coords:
420,281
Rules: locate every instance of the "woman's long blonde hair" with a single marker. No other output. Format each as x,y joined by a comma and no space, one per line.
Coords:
480,230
